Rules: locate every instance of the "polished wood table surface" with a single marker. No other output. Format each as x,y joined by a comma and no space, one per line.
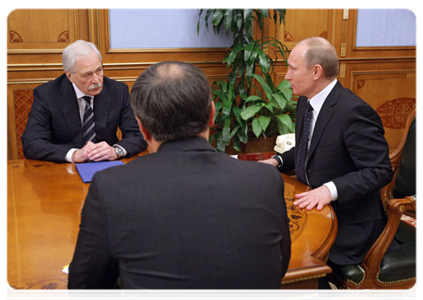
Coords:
44,204
312,235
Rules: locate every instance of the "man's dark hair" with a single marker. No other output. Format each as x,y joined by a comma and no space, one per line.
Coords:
172,100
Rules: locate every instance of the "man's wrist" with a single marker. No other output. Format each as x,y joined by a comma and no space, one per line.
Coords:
279,160
69,155
119,151
332,189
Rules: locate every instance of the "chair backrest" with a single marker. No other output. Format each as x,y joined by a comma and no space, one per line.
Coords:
405,183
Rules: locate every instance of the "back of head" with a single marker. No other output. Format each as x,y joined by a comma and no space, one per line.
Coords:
172,100
321,52
74,51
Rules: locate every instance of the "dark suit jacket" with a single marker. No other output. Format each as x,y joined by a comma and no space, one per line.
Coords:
185,217
348,147
54,123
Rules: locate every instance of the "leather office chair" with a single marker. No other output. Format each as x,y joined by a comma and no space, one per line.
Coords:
395,269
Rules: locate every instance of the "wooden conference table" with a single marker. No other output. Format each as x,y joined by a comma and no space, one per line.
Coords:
43,215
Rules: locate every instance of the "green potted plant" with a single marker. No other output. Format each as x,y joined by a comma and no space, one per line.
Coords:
248,103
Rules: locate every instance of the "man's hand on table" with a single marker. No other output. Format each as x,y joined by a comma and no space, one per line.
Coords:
318,197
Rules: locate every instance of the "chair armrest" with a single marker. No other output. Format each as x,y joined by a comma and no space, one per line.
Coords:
395,208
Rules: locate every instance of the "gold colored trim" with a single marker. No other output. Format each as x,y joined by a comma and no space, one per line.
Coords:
343,49
304,278
106,22
342,70
33,65
97,13
27,82
53,65
382,48
345,14
309,296
377,58
154,62
75,12
170,50
399,281
34,51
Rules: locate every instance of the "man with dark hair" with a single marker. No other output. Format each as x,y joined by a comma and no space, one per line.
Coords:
340,151
75,117
184,216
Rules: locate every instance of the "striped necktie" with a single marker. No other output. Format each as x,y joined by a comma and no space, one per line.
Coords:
88,125
300,164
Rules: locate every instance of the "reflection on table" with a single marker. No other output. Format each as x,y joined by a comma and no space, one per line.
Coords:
44,204
312,234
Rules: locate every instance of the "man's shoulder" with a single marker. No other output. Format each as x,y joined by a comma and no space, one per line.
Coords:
349,100
55,83
113,83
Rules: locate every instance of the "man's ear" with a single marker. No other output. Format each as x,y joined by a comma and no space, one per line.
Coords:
68,75
317,71
144,131
212,112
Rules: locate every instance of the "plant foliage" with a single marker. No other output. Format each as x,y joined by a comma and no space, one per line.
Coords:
242,106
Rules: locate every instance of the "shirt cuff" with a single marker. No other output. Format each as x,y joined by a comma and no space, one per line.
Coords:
69,155
332,189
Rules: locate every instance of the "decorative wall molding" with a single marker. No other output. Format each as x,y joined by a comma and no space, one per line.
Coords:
15,37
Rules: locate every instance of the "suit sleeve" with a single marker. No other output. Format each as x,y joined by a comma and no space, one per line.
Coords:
93,266
369,151
36,139
132,139
288,160
285,244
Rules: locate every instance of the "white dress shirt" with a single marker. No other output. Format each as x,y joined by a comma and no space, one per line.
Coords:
317,102
81,104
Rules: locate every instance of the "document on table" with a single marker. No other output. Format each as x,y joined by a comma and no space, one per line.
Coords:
87,170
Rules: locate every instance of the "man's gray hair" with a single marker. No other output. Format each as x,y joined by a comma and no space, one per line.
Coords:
75,50
321,51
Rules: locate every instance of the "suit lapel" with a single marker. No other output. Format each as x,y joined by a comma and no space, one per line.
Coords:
70,110
102,104
325,114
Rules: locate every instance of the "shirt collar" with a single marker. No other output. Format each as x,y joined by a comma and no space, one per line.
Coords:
317,101
78,92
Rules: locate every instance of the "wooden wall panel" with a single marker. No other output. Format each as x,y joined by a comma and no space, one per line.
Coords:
392,93
303,23
42,30
380,76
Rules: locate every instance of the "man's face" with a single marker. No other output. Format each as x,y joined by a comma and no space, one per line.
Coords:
299,75
88,76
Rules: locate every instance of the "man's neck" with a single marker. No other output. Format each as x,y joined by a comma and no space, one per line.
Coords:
154,145
320,86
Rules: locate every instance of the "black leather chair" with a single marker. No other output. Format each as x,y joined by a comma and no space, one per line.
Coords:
395,269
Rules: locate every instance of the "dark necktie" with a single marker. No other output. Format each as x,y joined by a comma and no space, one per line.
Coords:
303,145
88,125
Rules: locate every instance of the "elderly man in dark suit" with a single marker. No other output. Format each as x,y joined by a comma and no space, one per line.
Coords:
75,117
183,216
340,151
